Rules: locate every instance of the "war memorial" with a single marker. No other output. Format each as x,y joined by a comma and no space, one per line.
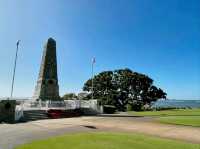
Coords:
47,87
46,102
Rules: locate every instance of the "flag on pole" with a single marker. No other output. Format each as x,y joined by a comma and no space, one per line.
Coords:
93,60
18,42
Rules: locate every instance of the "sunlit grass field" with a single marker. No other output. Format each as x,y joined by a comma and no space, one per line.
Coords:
173,112
181,120
101,140
188,117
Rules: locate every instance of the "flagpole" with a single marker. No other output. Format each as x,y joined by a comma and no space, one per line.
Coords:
93,61
92,80
15,63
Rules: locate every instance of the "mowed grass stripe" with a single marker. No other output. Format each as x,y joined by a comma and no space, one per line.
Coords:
174,112
187,117
100,140
181,120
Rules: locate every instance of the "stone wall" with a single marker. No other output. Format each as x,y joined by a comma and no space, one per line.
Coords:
7,111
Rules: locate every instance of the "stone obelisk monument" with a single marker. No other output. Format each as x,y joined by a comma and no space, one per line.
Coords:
47,85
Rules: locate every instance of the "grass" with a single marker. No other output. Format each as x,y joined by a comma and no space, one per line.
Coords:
174,112
100,140
181,120
187,117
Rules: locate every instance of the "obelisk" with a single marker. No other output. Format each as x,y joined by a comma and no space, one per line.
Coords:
47,87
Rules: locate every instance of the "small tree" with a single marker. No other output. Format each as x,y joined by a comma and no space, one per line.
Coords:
83,96
69,96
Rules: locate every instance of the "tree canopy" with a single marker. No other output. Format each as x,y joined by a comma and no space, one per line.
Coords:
123,86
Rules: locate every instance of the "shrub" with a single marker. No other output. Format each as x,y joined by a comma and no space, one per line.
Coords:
109,109
129,107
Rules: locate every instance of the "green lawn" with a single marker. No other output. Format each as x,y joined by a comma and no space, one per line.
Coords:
181,120
189,117
107,141
175,112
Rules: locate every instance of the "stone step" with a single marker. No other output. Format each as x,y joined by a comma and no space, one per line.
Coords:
39,117
35,111
30,114
35,115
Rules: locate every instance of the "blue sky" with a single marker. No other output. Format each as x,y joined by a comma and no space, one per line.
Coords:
155,37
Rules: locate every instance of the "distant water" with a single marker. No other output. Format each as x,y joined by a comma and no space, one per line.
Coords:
177,103
160,103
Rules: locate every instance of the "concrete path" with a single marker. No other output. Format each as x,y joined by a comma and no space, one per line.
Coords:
15,134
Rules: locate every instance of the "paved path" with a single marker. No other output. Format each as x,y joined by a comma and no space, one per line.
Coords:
14,134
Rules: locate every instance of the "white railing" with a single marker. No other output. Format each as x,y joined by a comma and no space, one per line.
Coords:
62,105
43,105
65,105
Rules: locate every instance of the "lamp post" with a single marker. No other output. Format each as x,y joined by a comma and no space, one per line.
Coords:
14,69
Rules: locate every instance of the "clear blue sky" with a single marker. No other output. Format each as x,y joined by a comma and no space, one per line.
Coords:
156,37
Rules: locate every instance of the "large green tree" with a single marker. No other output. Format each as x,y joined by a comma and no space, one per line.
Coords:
122,87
